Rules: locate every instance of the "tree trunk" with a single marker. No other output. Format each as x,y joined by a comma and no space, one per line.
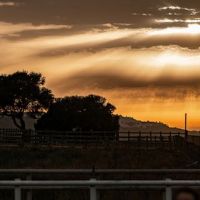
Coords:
14,119
20,124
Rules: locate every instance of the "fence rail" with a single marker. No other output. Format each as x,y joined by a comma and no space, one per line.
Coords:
15,136
92,184
97,171
95,185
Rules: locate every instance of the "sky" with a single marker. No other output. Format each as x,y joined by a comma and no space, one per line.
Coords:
142,55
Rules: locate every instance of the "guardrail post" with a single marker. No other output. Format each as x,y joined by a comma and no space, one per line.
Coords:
93,191
29,192
17,191
168,192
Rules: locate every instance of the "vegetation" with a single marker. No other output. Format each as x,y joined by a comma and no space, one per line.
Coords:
24,93
77,113
21,93
107,156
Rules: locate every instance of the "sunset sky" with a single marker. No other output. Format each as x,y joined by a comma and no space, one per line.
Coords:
142,55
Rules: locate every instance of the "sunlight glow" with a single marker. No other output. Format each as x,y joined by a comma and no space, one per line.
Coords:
190,29
169,58
166,20
194,28
92,37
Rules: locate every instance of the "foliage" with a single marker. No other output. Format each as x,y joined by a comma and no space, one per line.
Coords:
78,113
21,93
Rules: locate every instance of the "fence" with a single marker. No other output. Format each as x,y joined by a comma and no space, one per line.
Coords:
195,139
92,184
95,185
14,136
93,171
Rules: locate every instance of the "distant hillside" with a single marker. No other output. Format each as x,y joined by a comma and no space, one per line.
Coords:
126,124
131,124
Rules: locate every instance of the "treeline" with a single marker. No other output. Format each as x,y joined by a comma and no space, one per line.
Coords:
24,93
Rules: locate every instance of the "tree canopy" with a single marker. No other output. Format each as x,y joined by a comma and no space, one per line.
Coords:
21,93
79,113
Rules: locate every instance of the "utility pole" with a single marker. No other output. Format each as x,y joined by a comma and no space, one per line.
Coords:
186,131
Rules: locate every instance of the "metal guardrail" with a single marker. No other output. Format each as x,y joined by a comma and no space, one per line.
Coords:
97,171
95,185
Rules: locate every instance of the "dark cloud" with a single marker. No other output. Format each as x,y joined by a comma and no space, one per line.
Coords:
164,86
92,11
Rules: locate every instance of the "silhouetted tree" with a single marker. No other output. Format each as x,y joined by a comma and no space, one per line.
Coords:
21,93
90,113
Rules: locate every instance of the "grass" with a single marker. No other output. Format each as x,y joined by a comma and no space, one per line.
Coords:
106,157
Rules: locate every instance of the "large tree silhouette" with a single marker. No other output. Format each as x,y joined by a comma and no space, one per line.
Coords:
90,113
21,93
